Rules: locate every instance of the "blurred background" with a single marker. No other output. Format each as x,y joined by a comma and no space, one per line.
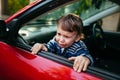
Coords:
8,7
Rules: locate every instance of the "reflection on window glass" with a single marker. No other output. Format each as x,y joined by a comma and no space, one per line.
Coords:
92,10
82,8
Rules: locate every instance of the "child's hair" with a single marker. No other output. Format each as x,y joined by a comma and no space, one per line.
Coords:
71,22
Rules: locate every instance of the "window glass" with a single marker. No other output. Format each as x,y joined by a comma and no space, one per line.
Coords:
92,10
85,10
46,24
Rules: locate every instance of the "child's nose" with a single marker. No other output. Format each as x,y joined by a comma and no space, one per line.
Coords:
61,39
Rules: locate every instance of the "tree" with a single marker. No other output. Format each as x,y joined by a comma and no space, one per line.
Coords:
15,5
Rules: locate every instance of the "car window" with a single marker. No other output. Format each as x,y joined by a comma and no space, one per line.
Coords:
85,10
93,10
46,24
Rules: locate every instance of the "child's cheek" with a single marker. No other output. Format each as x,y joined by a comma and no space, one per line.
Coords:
56,38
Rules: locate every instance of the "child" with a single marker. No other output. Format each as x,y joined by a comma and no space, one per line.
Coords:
67,42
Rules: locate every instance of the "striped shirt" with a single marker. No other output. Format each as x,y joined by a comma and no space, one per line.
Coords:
78,48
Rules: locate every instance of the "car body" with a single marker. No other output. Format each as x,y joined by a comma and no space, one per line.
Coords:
17,62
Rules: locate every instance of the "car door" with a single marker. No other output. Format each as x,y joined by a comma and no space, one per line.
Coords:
22,20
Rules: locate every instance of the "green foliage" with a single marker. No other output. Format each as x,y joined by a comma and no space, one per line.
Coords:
82,6
15,5
77,8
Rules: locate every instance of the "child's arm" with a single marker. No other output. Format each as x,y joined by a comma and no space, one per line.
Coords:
38,47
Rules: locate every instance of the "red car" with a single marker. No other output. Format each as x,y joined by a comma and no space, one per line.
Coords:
36,23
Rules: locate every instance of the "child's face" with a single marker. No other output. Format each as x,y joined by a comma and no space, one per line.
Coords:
66,39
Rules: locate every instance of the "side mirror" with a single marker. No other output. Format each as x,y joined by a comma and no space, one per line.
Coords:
3,31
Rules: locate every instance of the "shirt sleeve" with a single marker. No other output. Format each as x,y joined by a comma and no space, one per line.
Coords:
51,45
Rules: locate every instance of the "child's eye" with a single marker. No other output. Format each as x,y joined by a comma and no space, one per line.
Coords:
58,34
67,36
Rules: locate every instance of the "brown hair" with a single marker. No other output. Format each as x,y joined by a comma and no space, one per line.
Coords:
71,22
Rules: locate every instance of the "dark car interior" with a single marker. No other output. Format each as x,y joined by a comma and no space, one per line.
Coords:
104,47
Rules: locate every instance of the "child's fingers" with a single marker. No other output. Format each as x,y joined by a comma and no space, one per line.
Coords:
71,58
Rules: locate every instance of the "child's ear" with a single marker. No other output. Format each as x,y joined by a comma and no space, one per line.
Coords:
78,38
82,36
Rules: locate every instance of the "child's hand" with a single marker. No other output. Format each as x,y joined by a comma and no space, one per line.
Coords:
38,47
80,63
